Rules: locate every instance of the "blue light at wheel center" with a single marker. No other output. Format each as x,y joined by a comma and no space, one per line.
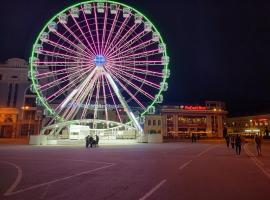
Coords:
99,60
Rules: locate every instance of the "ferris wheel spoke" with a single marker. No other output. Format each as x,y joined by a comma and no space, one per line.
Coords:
140,62
132,41
75,79
69,50
86,39
113,100
125,80
60,80
97,101
136,78
127,90
117,35
78,39
56,73
97,33
123,38
81,94
111,29
104,98
132,68
104,29
62,56
131,50
79,102
138,55
89,30
64,38
88,101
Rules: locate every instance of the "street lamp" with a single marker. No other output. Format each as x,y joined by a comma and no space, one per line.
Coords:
26,108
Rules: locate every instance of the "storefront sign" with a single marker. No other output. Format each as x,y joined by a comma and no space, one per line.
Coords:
195,108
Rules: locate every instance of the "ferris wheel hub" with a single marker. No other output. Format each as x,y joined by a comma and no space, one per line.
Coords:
99,60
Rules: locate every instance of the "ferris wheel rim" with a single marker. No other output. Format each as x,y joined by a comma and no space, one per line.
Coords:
34,81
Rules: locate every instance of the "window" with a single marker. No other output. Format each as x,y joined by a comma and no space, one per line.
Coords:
15,95
149,122
0,77
9,94
159,122
154,122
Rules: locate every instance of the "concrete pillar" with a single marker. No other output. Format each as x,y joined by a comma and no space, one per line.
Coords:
220,126
209,126
175,123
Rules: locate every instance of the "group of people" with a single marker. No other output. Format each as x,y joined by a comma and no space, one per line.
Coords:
89,141
237,142
193,137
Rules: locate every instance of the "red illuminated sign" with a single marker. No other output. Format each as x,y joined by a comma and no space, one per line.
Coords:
195,107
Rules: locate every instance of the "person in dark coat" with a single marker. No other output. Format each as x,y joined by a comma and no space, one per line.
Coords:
232,140
258,142
87,141
227,138
225,132
97,140
91,140
238,144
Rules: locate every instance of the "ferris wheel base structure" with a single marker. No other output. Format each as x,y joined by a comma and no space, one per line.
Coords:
74,133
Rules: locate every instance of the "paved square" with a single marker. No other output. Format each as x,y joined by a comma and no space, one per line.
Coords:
140,171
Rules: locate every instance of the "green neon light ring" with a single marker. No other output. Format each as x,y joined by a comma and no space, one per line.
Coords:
34,81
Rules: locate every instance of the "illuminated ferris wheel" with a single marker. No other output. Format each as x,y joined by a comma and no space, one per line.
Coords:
96,57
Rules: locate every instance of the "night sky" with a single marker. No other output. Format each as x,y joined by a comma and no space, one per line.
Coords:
219,50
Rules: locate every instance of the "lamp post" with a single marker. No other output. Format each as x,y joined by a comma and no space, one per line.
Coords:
24,108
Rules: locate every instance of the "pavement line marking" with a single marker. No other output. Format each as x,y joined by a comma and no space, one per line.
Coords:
148,194
258,163
17,180
58,180
204,151
185,164
86,161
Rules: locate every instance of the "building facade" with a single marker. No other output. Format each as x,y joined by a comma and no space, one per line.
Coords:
249,125
19,115
183,120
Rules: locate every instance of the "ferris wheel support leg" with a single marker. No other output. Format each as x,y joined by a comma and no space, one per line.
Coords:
124,104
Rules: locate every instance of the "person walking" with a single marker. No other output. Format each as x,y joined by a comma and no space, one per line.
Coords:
87,141
258,141
91,141
238,144
227,139
97,140
232,140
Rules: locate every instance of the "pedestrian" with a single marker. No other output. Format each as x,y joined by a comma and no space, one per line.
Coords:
91,141
227,139
238,144
258,141
225,132
97,140
87,141
232,140
193,139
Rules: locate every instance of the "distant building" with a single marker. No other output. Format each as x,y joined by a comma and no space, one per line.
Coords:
249,125
19,115
183,120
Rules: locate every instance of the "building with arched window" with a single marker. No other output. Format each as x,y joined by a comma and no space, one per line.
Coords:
19,115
